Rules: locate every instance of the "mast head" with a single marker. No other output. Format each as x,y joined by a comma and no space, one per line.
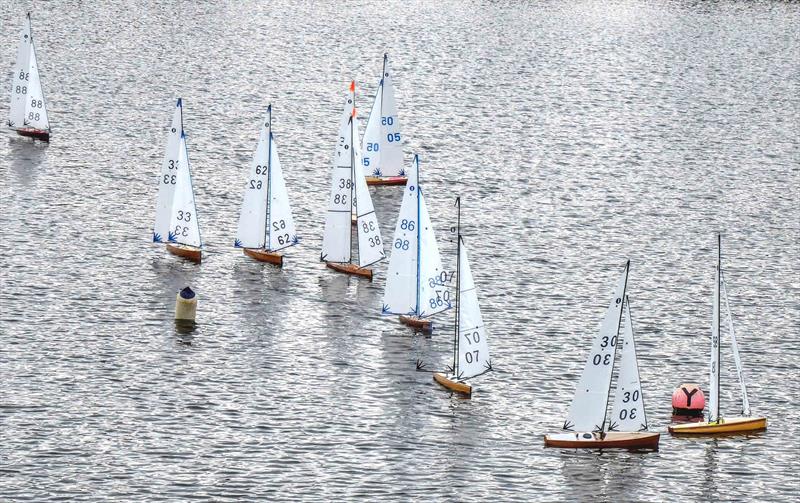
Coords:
179,103
352,86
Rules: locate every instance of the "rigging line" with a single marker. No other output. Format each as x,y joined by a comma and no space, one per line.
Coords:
340,211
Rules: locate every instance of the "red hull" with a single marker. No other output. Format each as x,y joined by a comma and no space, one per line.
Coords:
36,134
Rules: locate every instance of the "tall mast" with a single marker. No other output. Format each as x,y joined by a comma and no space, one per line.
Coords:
715,336
616,344
419,234
383,76
458,289
269,174
353,170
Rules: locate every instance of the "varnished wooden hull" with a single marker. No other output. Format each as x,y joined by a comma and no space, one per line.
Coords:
453,384
351,269
187,252
37,134
727,426
386,180
419,325
264,256
643,440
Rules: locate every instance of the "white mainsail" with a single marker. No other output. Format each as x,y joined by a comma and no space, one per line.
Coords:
336,239
413,290
35,106
168,177
735,347
473,346
184,228
402,276
713,401
587,412
383,143
281,232
370,245
251,231
21,76
627,413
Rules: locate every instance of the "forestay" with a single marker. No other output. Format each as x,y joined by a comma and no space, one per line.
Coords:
281,232
370,245
588,408
627,413
21,76
473,346
251,232
735,347
184,228
402,276
383,143
168,177
336,240
35,106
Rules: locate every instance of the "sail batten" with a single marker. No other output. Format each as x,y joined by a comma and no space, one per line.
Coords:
587,412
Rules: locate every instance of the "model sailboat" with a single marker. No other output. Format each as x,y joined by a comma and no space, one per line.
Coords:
416,284
265,223
28,107
383,143
176,214
349,193
716,423
587,420
470,339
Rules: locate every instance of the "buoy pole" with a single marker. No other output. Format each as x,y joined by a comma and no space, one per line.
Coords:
185,307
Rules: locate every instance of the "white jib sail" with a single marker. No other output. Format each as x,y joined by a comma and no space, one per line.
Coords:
21,77
383,143
168,177
713,401
473,345
402,276
627,413
434,294
370,245
282,233
735,347
587,412
251,232
184,228
336,240
35,106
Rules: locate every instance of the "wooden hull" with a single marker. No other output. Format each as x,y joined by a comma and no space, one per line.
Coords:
36,134
728,426
350,269
188,252
453,384
419,325
264,256
643,440
386,180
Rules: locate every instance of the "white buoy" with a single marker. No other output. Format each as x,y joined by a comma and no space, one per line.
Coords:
186,307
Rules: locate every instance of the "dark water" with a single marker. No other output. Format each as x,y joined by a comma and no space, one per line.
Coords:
577,134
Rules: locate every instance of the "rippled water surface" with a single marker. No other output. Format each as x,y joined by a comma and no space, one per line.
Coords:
577,134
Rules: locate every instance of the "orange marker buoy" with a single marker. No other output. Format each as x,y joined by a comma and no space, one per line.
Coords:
688,400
